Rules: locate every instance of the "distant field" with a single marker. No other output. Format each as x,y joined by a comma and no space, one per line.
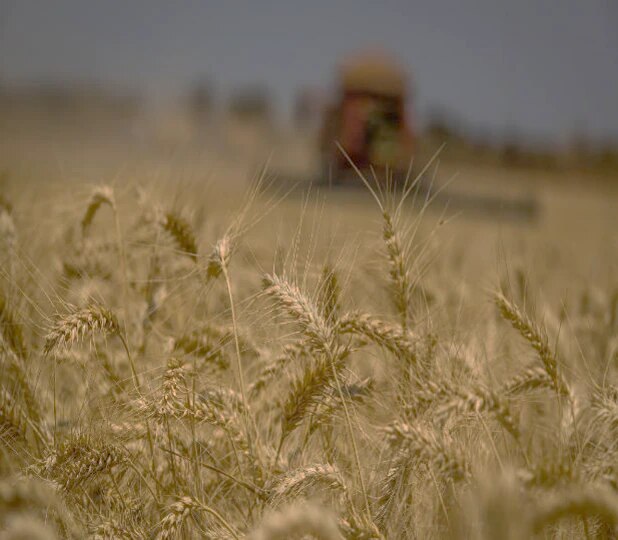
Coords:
189,352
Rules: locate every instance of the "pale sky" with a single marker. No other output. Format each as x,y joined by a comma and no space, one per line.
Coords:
539,67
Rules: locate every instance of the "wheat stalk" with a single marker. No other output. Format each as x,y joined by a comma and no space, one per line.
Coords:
428,394
427,448
532,378
177,514
11,330
387,489
591,502
399,274
220,256
79,459
322,336
173,384
290,298
390,336
8,234
294,483
5,203
100,195
16,369
329,293
275,366
330,404
182,233
479,400
537,339
306,392
112,529
415,445
77,325
300,521
181,510
13,422
549,474
200,343
604,405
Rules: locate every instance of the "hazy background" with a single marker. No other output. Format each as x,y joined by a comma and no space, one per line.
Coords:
523,84
547,69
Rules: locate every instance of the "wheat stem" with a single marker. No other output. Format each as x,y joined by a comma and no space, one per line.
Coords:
241,379
352,438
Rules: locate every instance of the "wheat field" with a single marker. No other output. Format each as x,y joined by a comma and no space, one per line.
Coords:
184,360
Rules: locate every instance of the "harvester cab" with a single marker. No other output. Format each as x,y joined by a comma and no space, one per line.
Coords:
369,119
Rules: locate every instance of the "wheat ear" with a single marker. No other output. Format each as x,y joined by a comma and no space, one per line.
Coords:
101,195
275,366
427,448
294,483
532,378
390,336
302,521
79,459
582,503
11,329
415,444
181,510
329,293
479,400
182,233
604,406
400,277
297,306
536,337
79,324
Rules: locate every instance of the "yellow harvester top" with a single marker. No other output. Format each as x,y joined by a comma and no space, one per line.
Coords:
373,73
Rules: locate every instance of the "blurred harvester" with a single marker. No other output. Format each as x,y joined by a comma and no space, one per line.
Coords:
369,119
